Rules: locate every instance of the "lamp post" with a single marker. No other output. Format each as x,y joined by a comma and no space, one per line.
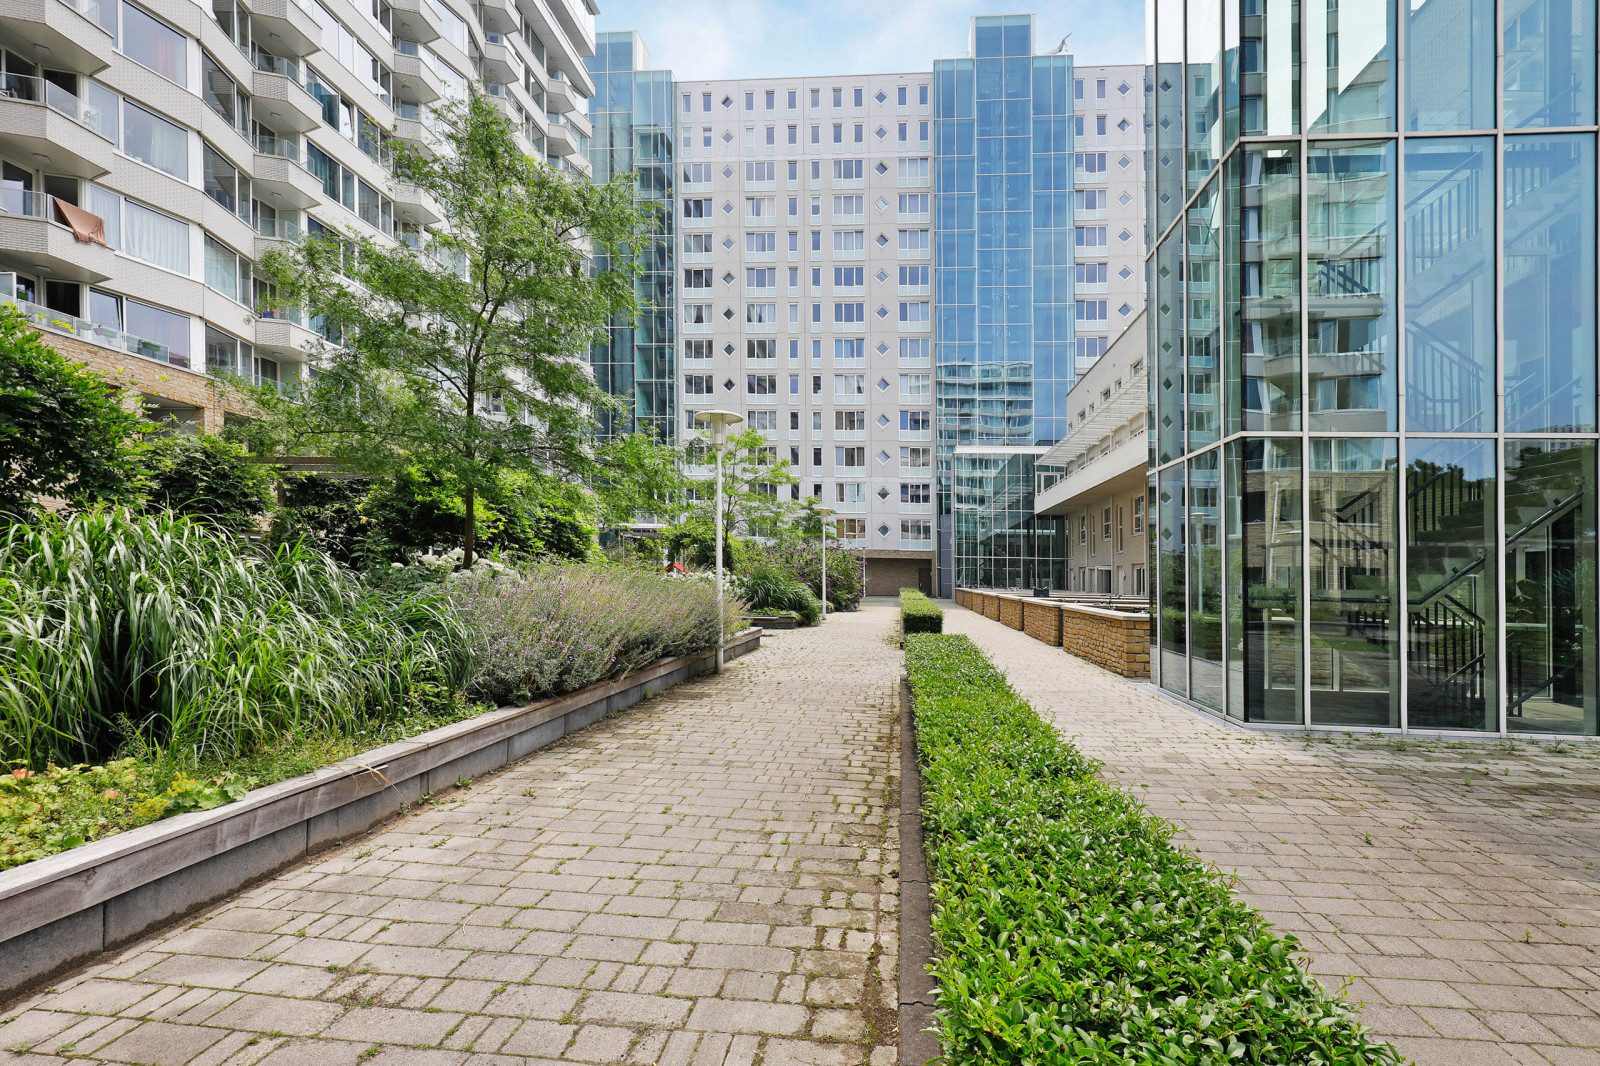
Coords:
719,421
824,513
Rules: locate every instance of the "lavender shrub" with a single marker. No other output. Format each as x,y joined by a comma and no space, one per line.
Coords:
555,627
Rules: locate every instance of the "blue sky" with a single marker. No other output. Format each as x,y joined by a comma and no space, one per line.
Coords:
705,39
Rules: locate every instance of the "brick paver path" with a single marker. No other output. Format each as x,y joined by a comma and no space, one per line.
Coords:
1456,883
709,879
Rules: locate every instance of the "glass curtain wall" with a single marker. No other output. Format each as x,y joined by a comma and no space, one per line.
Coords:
1004,336
1375,450
635,132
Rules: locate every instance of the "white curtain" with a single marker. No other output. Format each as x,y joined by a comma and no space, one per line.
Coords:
155,238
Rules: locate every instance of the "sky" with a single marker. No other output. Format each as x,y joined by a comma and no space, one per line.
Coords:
711,39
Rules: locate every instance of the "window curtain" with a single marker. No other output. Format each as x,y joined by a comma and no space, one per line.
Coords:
155,238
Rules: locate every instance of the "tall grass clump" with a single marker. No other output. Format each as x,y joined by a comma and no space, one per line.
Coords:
1069,928
156,631
555,627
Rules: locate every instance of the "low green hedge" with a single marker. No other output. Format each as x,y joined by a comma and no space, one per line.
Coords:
1069,927
919,614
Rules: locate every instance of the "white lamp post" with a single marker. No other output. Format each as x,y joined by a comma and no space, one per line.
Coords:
824,513
719,421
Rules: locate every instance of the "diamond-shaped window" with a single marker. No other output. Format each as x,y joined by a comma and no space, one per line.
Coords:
880,133
727,349
883,494
727,101
882,275
879,96
1124,273
1125,236
882,349
1124,88
726,137
882,167
728,384
727,208
882,240
880,203
883,457
882,385
1123,125
1124,310
1124,199
727,279
727,172
728,314
883,420
883,531
727,242
1124,162
882,312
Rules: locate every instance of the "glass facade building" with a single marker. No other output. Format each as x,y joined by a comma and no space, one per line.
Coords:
1373,392
635,132
1004,341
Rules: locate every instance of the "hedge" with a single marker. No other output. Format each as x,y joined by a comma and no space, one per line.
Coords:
919,614
1068,926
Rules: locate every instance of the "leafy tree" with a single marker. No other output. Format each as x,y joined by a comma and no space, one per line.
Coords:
63,430
468,355
324,511
755,486
204,476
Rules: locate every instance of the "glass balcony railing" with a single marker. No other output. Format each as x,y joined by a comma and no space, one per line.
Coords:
279,228
53,96
24,202
408,111
407,48
278,65
282,147
57,322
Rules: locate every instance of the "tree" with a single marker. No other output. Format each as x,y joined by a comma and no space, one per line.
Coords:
755,486
204,476
63,430
467,355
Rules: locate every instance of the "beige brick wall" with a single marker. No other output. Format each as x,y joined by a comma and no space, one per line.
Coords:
145,377
1121,645
1042,621
1011,611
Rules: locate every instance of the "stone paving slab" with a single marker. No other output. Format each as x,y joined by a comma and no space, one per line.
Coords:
708,879
1454,883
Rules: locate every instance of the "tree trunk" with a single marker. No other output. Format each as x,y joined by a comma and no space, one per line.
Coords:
469,527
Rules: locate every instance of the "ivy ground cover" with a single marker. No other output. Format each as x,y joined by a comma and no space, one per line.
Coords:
1068,926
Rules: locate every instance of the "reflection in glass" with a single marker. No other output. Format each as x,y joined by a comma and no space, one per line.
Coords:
1172,577
1204,303
1350,65
1168,380
1264,580
1450,65
1204,70
1551,606
1152,561
1269,67
1351,285
1450,283
1352,570
1169,90
1550,299
1451,567
1206,679
1264,258
1550,62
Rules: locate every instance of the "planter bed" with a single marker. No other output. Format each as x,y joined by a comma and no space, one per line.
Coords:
773,621
64,909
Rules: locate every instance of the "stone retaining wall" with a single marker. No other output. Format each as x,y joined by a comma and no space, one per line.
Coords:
1011,612
1116,640
1041,620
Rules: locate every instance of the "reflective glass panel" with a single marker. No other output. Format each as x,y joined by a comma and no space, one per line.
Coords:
154,44
1204,73
1264,254
1350,65
1549,62
1206,677
1351,283
1168,377
1549,359
1269,67
1450,64
1173,578
1551,605
1352,572
1264,580
1451,568
1450,284
1169,92
1203,300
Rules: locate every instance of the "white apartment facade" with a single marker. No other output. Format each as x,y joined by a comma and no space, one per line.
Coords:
805,291
197,135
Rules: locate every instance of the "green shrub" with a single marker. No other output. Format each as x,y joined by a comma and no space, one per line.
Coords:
1069,927
157,631
203,476
919,614
768,590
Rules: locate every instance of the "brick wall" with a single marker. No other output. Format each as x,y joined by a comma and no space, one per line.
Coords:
1042,621
1119,642
1011,611
145,377
991,605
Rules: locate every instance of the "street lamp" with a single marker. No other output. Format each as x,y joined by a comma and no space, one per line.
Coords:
823,513
719,421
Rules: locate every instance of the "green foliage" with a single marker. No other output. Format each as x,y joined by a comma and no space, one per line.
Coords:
203,476
1070,929
468,355
120,629
768,589
803,561
692,541
919,614
755,487
63,430
325,513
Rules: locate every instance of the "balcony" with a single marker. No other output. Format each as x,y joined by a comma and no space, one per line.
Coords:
415,204
276,235
41,121
416,20
31,238
281,178
286,26
500,60
286,337
563,139
53,321
558,89
414,75
280,97
77,32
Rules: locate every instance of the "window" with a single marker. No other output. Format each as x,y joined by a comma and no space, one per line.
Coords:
697,314
161,326
849,351
914,312
749,101
155,238
838,98
1105,525
913,244
761,278
849,384
916,384
913,171
698,278
697,174
1085,201
224,183
760,314
1088,349
761,349
916,533
757,242
850,421
915,459
226,271
913,421
152,43
697,209
688,101
849,312
849,458
761,385
761,172
849,206
849,277
705,102
847,170
916,492
766,421
816,97
914,351
914,277
1090,162
1091,311
153,140
913,204
759,207
838,133
922,95
697,385
1089,237
1089,274
792,103
697,351
849,240
1138,515
816,384
697,244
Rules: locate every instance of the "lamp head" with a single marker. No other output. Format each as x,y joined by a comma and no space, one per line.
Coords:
719,421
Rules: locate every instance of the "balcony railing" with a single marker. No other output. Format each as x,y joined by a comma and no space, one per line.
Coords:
51,95
280,228
58,322
282,147
25,202
278,65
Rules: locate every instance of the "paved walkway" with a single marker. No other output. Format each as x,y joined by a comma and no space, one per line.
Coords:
709,879
1456,883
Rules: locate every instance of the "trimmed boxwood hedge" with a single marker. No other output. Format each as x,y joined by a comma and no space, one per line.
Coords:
919,614
1069,928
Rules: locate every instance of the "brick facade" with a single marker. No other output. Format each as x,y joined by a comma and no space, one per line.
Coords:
158,385
1116,640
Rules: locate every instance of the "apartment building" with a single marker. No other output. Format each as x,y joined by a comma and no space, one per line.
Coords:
151,152
805,296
